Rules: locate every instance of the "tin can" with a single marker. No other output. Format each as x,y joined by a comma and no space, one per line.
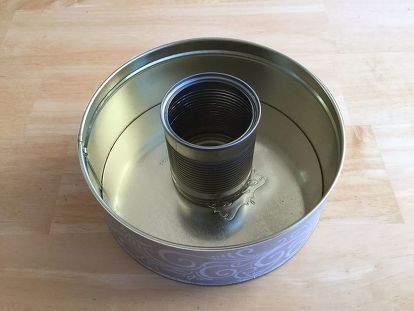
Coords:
210,122
298,155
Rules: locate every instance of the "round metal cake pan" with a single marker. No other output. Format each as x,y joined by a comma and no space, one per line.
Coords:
298,155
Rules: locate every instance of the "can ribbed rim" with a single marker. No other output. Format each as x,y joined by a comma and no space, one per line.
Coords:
211,77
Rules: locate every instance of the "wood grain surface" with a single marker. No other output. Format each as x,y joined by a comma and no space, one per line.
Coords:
55,250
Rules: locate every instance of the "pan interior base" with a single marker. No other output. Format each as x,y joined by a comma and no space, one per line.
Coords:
285,184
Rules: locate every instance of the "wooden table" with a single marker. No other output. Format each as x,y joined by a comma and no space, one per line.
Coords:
55,250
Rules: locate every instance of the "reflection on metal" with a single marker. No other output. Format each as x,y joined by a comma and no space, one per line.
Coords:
228,210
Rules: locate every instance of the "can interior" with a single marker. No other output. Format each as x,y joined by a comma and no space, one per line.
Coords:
210,113
297,156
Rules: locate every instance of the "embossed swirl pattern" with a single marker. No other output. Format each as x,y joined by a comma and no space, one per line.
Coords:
215,267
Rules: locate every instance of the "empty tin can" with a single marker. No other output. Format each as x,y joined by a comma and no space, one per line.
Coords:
298,154
210,122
